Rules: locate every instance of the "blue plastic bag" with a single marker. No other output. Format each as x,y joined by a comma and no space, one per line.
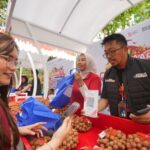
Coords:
34,111
63,92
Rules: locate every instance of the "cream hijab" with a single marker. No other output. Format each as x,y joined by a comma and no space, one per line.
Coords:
90,65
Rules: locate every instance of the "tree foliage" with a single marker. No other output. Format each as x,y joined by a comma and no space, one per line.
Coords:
3,12
130,17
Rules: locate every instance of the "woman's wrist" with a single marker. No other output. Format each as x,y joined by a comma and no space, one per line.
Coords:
49,145
20,129
81,84
53,144
46,146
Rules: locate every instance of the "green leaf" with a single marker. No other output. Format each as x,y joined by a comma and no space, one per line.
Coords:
130,17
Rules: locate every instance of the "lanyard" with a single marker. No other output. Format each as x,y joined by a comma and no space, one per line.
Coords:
122,92
122,105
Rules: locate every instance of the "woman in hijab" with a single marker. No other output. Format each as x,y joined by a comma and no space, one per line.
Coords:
85,79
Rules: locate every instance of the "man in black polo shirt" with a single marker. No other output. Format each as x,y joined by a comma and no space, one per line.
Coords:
126,85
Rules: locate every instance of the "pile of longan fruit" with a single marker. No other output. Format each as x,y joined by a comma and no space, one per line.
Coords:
71,141
112,139
138,141
81,123
38,142
14,109
43,101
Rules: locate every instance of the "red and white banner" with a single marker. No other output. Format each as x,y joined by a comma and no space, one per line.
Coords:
138,38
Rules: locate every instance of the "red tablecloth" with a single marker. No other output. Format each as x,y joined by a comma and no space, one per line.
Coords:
102,122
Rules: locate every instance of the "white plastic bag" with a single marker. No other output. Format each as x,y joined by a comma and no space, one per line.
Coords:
91,99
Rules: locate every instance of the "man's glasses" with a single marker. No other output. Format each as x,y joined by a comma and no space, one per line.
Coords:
10,61
111,53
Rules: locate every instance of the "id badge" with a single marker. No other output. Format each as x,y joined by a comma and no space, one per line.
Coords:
122,109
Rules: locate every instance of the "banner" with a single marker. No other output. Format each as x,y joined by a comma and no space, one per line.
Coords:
138,38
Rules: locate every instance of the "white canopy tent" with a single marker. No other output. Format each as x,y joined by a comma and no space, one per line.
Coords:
67,24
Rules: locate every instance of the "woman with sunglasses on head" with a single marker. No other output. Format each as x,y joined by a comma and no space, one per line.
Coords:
9,132
85,79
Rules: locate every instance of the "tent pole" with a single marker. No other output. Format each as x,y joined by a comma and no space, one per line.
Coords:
34,74
130,2
8,22
33,37
19,80
46,81
16,80
63,26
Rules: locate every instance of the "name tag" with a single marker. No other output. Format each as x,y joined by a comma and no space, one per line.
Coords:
140,75
110,80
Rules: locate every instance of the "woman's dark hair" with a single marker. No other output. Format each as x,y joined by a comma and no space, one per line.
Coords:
51,91
25,77
117,37
7,45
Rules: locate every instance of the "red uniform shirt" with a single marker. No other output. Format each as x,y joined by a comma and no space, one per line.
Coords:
5,126
92,82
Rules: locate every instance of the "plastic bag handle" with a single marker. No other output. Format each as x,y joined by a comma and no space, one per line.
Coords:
72,71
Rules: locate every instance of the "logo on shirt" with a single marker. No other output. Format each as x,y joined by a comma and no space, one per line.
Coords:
140,75
110,80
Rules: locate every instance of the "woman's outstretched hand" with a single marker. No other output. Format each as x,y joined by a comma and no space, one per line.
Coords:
34,129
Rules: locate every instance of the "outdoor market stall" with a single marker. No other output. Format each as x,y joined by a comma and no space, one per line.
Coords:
71,26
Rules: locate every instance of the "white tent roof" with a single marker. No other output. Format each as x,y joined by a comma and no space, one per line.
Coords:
68,24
